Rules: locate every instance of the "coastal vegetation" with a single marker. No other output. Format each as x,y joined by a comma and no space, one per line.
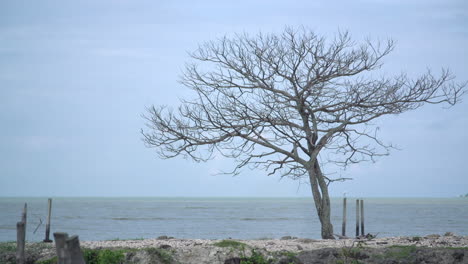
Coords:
231,244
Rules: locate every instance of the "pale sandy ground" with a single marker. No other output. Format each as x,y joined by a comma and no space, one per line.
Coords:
293,245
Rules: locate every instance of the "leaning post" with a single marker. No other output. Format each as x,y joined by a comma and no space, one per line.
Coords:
47,232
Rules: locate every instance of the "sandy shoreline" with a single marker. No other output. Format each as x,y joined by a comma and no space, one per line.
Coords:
446,249
292,244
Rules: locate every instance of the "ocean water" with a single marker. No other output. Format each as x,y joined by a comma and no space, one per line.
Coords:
220,218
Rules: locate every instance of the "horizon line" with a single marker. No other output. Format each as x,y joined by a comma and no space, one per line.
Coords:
229,197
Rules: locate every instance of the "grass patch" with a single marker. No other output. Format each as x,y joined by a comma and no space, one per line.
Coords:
289,254
7,247
350,255
400,252
455,248
230,244
256,258
165,256
49,261
354,261
103,256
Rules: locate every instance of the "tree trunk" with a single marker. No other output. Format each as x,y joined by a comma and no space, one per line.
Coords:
321,200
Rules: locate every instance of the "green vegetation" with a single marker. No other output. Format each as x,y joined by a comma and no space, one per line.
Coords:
350,255
455,248
48,261
103,256
401,252
165,256
256,258
231,244
9,246
353,261
289,254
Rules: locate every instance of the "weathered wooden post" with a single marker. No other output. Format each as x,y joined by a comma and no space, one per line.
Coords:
72,245
60,239
47,232
357,218
20,241
362,217
343,226
25,213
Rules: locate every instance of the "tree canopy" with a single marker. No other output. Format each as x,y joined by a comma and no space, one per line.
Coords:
277,101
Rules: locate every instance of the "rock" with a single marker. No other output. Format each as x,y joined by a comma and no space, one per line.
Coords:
458,255
288,260
449,234
142,257
326,255
233,261
286,238
305,240
433,236
165,246
163,237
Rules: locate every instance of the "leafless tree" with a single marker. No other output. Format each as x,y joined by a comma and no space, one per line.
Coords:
277,101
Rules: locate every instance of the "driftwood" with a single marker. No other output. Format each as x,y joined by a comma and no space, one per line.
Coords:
341,237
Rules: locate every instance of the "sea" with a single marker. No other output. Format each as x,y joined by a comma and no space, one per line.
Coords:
222,218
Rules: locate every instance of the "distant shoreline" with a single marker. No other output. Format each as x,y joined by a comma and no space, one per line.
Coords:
230,197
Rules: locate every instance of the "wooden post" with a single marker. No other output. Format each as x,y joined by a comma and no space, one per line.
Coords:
24,214
20,241
62,253
72,245
47,232
357,218
343,226
362,217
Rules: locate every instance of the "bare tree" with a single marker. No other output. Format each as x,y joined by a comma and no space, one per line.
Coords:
276,102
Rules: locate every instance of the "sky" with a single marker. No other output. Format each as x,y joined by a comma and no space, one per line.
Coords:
76,76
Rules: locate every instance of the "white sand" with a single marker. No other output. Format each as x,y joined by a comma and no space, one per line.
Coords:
293,245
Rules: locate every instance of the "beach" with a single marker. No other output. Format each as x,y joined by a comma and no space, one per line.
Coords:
447,248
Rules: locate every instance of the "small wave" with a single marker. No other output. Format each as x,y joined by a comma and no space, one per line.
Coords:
71,217
141,218
8,227
197,207
266,219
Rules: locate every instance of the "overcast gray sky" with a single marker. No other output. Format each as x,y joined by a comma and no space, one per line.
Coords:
75,76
